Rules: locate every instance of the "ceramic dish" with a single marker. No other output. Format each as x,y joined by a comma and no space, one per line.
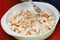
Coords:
28,5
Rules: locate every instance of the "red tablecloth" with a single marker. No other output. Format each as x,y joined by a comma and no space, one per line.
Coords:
4,6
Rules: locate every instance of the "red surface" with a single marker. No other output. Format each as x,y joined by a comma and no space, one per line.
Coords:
4,6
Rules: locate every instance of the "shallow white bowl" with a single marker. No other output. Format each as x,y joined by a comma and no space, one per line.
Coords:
28,5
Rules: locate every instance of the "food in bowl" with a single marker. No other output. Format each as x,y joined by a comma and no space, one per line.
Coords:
29,22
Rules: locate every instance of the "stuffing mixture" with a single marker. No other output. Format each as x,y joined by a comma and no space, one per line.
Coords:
28,22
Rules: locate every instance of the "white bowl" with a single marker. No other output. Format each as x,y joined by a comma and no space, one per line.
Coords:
28,5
